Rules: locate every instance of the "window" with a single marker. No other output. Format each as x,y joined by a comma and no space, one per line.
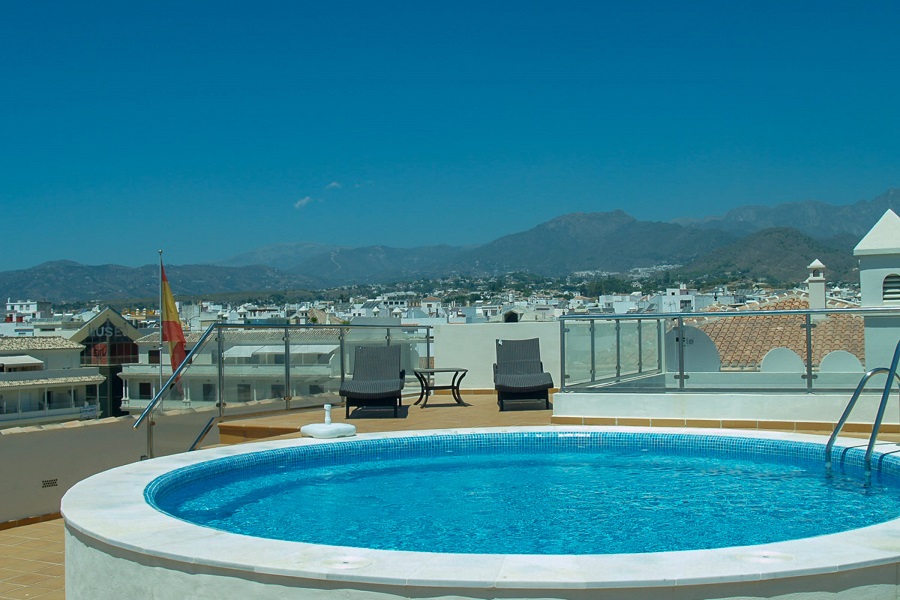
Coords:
244,393
153,357
277,390
145,391
209,392
891,290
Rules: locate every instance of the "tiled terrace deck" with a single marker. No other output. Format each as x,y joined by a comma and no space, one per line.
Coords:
32,560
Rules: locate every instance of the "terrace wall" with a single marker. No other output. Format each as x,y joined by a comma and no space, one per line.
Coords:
473,347
39,464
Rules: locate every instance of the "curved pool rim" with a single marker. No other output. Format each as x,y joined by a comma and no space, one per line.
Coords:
141,534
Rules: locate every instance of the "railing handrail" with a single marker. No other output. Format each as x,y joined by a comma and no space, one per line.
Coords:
162,390
202,435
873,311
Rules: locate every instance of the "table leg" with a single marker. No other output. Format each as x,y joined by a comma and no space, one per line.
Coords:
424,385
457,379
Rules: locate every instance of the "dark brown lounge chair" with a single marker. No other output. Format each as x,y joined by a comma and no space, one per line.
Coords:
519,373
377,378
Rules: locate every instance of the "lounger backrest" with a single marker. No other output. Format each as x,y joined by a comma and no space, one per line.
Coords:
376,363
520,367
519,356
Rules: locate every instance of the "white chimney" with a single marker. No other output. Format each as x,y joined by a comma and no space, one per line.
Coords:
815,284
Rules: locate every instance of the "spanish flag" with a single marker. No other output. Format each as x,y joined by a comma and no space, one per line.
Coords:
171,323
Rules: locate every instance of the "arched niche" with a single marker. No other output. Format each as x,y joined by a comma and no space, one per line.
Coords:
700,352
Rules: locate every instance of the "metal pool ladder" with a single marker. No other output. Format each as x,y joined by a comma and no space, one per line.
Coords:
888,384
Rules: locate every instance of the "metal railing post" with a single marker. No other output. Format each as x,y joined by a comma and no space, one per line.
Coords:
593,331
341,348
660,342
287,369
808,325
150,436
562,354
220,391
640,340
618,348
679,347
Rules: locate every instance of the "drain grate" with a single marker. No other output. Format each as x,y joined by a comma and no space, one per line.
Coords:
48,483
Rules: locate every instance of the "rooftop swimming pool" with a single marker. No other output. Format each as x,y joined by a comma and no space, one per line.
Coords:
362,510
541,492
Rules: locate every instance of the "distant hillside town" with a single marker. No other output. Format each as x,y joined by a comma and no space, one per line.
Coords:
24,318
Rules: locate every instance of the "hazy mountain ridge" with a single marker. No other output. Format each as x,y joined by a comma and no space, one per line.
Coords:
777,254
67,281
375,264
280,256
816,219
761,242
611,241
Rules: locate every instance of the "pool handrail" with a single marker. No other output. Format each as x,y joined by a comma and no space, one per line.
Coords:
175,374
892,375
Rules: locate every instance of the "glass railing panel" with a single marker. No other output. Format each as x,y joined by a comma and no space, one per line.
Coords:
315,373
416,350
630,348
606,353
777,350
651,334
743,351
243,370
360,336
839,348
253,362
578,367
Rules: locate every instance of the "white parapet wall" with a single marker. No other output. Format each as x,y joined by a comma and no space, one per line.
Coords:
722,406
473,347
41,463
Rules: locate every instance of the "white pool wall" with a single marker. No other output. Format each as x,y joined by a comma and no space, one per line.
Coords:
118,546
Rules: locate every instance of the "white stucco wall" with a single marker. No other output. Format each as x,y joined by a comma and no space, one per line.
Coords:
473,347
40,464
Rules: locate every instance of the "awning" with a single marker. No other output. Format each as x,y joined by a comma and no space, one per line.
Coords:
20,360
241,351
248,351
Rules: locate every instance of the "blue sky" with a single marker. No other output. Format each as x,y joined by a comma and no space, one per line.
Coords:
207,129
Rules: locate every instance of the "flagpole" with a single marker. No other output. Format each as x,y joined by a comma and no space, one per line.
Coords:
160,322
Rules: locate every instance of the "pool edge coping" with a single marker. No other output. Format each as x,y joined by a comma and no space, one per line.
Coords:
144,530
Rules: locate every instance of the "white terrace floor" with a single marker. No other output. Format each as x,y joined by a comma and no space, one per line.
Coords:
32,558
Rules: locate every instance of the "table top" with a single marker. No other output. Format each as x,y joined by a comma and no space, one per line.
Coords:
443,370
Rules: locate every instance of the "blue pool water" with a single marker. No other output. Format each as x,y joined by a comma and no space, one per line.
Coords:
531,494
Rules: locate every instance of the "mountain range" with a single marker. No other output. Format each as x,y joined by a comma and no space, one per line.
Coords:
758,242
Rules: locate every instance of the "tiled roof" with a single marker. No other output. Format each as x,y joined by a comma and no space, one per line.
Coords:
53,381
50,342
190,337
263,336
744,341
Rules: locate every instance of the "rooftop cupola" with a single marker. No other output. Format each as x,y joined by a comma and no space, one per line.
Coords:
879,263
879,286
